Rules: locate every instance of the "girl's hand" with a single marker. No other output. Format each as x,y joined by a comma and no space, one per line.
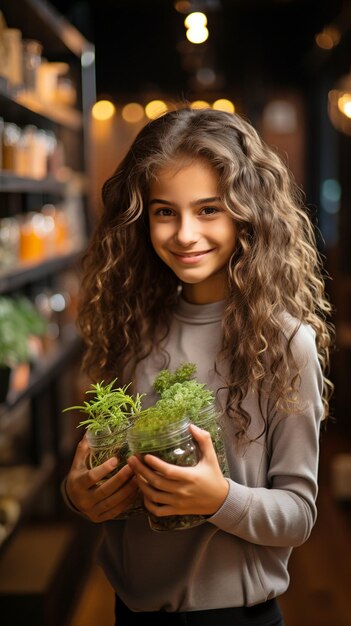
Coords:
99,502
173,490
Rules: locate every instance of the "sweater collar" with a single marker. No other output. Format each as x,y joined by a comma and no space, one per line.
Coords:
211,312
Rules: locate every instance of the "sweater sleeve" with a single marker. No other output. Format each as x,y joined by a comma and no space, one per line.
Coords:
67,501
284,512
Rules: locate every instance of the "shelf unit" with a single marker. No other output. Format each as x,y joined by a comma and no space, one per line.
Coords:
25,274
31,420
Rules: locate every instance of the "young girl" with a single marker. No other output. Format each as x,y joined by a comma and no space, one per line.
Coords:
204,253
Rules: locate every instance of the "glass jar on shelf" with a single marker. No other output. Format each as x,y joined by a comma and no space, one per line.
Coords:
31,58
12,38
11,137
9,241
32,248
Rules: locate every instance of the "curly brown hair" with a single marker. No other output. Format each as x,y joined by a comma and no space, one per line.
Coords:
128,294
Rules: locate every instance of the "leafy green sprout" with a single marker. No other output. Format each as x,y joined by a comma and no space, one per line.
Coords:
165,379
180,396
111,408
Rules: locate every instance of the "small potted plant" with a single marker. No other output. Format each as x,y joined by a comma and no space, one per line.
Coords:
109,413
196,401
163,430
19,321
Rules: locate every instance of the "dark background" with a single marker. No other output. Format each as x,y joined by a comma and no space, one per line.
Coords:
141,45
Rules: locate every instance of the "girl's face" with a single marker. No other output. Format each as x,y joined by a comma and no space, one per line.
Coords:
190,229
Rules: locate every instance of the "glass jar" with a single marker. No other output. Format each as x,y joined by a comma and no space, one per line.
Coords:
207,419
32,51
105,445
9,240
13,45
174,444
11,137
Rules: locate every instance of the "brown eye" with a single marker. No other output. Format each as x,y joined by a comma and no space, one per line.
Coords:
209,210
164,212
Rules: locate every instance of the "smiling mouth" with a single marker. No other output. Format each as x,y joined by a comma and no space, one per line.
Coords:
189,255
190,258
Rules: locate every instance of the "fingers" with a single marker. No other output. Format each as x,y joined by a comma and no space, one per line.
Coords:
167,470
204,441
91,477
113,484
107,500
82,451
87,488
112,506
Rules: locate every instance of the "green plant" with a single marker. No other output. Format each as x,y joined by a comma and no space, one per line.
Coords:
111,408
163,430
165,379
18,321
34,322
180,396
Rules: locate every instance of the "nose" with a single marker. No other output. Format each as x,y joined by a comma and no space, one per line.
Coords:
187,232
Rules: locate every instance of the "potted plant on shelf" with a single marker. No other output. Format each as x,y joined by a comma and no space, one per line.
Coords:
19,321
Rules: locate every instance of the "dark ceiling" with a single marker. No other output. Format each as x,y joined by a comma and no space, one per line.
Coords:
141,45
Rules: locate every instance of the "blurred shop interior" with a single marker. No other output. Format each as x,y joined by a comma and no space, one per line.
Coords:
78,79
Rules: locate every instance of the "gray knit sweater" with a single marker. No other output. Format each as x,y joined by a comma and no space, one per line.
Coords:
240,555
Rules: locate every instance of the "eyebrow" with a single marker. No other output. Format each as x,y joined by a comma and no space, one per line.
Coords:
194,203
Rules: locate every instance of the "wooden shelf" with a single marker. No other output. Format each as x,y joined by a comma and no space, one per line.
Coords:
25,274
22,104
10,183
23,484
46,370
30,425
40,20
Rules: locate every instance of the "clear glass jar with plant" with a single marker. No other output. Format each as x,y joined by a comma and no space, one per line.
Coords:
163,430
163,435
207,418
195,401
110,413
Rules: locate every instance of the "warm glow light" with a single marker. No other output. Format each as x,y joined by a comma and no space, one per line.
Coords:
328,38
200,104
195,20
182,6
132,112
103,110
224,105
155,108
198,34
344,104
324,41
334,33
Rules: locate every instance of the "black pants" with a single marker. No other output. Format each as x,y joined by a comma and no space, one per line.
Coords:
265,614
